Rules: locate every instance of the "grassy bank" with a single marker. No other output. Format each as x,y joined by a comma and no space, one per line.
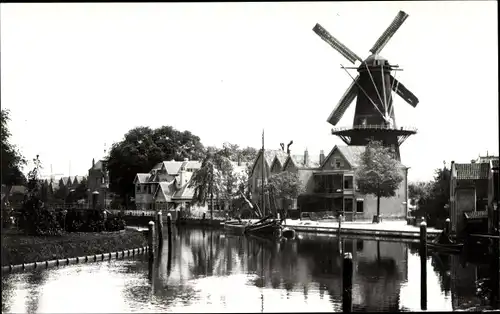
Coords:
18,248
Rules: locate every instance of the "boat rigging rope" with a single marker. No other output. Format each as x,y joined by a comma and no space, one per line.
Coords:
361,88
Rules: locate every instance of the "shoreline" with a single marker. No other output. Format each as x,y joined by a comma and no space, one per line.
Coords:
19,249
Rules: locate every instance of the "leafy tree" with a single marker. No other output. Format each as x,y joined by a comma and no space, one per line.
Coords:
378,173
12,160
418,190
35,218
285,185
434,203
212,179
143,148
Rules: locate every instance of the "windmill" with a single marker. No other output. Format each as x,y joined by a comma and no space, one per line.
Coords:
373,86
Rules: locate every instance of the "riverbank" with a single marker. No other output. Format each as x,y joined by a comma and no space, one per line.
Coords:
18,248
395,228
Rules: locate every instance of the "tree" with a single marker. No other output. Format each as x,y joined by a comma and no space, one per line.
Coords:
285,185
142,148
12,160
378,173
212,178
35,218
418,190
434,203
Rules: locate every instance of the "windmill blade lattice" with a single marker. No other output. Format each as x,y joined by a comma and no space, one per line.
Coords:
336,44
389,32
344,102
403,92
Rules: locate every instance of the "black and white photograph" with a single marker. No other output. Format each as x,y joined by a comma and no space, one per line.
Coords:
250,157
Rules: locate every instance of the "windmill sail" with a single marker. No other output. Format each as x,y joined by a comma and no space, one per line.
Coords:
336,44
344,102
389,32
402,91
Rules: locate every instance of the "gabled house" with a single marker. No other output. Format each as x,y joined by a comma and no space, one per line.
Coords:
334,188
98,183
165,185
473,195
278,163
256,172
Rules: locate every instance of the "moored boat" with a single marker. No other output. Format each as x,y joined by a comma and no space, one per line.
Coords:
235,226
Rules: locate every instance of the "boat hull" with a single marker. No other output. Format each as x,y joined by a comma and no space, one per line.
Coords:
235,228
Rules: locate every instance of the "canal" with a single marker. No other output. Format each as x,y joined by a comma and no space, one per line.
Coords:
210,271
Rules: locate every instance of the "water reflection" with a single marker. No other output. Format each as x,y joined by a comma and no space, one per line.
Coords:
209,271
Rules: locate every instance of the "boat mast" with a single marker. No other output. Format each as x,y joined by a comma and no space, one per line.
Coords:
263,177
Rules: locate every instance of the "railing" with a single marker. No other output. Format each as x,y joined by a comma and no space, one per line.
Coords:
375,127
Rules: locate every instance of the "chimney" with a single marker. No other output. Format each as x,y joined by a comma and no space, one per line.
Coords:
93,162
306,157
321,156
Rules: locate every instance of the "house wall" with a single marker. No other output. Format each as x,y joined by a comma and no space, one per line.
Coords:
465,201
144,195
330,162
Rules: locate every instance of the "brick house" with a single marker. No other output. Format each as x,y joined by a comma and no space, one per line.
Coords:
473,194
98,181
330,184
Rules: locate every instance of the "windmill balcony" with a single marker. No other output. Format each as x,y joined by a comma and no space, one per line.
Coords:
374,127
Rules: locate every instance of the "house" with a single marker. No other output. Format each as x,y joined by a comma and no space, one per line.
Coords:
255,177
473,193
16,195
166,185
334,188
330,185
98,183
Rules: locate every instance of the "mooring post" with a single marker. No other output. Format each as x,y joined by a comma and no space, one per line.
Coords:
423,265
151,239
347,272
447,226
169,231
159,221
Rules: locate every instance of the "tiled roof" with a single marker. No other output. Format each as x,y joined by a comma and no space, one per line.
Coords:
167,188
298,161
474,171
269,155
352,153
143,177
186,192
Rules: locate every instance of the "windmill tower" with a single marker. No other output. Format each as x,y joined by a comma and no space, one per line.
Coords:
373,86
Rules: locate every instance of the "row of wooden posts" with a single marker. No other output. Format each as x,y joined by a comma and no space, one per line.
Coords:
348,269
347,263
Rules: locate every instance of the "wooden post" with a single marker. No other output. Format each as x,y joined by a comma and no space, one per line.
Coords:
159,221
347,272
169,231
151,253
338,236
447,226
423,265
151,239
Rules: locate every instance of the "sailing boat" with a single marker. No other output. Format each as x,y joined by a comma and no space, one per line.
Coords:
268,225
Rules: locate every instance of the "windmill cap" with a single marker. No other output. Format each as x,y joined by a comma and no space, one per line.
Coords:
373,57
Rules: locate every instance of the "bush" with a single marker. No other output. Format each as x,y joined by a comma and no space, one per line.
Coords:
92,221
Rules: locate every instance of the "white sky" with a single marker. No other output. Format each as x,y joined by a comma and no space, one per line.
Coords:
76,76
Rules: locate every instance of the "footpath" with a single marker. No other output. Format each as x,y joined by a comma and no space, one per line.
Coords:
391,228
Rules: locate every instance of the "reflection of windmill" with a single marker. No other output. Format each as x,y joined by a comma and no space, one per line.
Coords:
374,115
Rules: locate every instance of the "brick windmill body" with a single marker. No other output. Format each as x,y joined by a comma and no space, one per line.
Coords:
374,117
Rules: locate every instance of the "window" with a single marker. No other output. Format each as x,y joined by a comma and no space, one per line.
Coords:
138,188
348,182
348,205
359,206
337,163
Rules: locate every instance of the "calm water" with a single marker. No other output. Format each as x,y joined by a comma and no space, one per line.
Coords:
210,271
